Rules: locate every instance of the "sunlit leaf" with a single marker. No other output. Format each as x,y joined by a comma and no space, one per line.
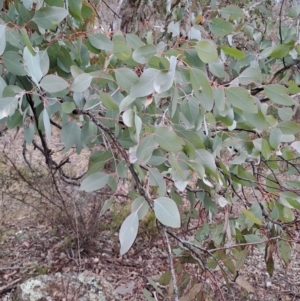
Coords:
166,211
207,51
140,206
8,106
128,232
238,54
280,51
122,51
32,65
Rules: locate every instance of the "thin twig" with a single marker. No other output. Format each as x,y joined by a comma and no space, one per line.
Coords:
174,282
280,18
25,158
9,286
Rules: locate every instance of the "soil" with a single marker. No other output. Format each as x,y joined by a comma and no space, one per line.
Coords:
30,246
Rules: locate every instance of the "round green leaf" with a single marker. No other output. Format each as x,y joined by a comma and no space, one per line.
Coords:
280,51
8,106
249,76
122,51
288,127
68,107
140,206
69,134
49,17
220,28
164,79
81,82
13,62
241,99
101,42
125,78
53,83
145,148
275,138
278,94
167,139
166,211
206,51
133,41
144,53
108,101
233,11
94,182
128,117
217,69
285,113
144,85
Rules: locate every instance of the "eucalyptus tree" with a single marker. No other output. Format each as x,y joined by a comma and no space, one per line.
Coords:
197,115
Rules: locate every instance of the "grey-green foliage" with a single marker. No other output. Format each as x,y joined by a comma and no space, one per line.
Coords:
168,114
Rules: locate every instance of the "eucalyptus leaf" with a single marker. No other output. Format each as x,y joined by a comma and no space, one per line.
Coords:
166,211
32,65
144,53
14,63
8,106
220,27
241,99
49,16
94,181
125,78
145,84
206,50
2,38
101,42
81,82
167,139
128,232
202,88
278,94
238,54
53,83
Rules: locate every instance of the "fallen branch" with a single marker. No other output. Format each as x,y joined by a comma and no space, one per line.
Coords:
9,286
